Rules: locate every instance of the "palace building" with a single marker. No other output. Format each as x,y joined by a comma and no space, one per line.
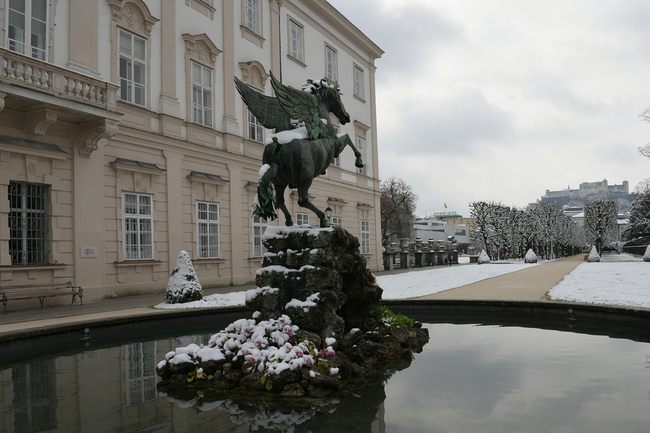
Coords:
124,141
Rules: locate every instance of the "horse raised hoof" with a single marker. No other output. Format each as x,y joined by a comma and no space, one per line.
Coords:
358,162
324,224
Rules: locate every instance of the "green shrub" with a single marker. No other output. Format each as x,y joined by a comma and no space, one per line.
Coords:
386,319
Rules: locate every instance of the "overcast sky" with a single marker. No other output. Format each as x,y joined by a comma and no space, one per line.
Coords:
502,100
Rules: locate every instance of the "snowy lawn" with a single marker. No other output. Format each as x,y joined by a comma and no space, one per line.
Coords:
217,300
610,282
421,283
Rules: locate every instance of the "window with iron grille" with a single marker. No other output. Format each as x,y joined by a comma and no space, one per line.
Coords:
208,229
365,237
28,223
259,227
137,217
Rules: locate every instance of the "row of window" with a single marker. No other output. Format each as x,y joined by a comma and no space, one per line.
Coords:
27,34
28,225
297,50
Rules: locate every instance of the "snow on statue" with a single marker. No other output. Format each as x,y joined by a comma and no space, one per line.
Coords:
183,285
593,255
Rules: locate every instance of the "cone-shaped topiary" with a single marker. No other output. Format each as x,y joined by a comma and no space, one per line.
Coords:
593,255
646,256
531,257
483,258
183,285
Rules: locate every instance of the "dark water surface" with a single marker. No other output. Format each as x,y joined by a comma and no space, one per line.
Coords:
473,375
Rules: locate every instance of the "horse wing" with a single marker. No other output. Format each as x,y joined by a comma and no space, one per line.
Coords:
302,106
266,109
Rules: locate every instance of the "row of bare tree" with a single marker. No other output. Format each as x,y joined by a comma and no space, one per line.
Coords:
542,227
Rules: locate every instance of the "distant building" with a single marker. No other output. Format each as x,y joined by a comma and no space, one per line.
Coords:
440,226
572,200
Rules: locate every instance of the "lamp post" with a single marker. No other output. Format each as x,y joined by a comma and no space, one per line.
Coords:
328,214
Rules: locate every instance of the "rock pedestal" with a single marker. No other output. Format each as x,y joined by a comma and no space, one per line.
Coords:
317,277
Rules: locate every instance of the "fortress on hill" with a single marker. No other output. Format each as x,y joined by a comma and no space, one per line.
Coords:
575,198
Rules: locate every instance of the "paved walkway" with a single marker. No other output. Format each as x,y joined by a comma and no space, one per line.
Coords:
528,284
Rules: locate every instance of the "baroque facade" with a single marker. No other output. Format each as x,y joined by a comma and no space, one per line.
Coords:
123,140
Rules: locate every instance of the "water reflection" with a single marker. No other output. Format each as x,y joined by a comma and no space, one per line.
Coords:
468,378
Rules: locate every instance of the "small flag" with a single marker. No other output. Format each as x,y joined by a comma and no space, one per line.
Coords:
445,205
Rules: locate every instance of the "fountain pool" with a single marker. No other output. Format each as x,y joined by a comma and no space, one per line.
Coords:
481,371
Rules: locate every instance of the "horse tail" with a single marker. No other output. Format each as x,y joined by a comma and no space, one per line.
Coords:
265,200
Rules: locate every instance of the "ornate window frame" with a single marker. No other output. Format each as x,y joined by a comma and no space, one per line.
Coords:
199,49
133,16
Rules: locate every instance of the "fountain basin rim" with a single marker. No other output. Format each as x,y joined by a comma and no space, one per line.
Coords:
597,312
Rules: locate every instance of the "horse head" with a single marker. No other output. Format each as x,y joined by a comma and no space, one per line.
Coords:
330,96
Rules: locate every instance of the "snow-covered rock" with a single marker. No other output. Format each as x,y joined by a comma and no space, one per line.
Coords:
183,284
646,256
593,255
483,258
531,257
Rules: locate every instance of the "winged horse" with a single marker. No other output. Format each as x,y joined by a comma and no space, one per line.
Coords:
304,144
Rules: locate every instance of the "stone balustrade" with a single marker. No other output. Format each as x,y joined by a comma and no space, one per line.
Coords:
46,77
417,253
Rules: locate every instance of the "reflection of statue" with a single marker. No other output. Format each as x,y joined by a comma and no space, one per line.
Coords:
304,145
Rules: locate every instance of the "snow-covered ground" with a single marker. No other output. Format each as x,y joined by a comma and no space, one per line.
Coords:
619,279
438,279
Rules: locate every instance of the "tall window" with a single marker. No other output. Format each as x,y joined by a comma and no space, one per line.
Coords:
255,128
201,94
137,220
252,15
132,54
361,147
27,27
208,229
28,223
331,63
358,83
337,221
140,373
259,227
336,162
296,42
302,218
365,237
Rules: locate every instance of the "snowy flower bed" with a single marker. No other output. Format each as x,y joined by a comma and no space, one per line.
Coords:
264,346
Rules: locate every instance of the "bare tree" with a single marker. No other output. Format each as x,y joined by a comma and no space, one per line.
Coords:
639,224
642,187
398,202
547,218
482,231
645,150
600,222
